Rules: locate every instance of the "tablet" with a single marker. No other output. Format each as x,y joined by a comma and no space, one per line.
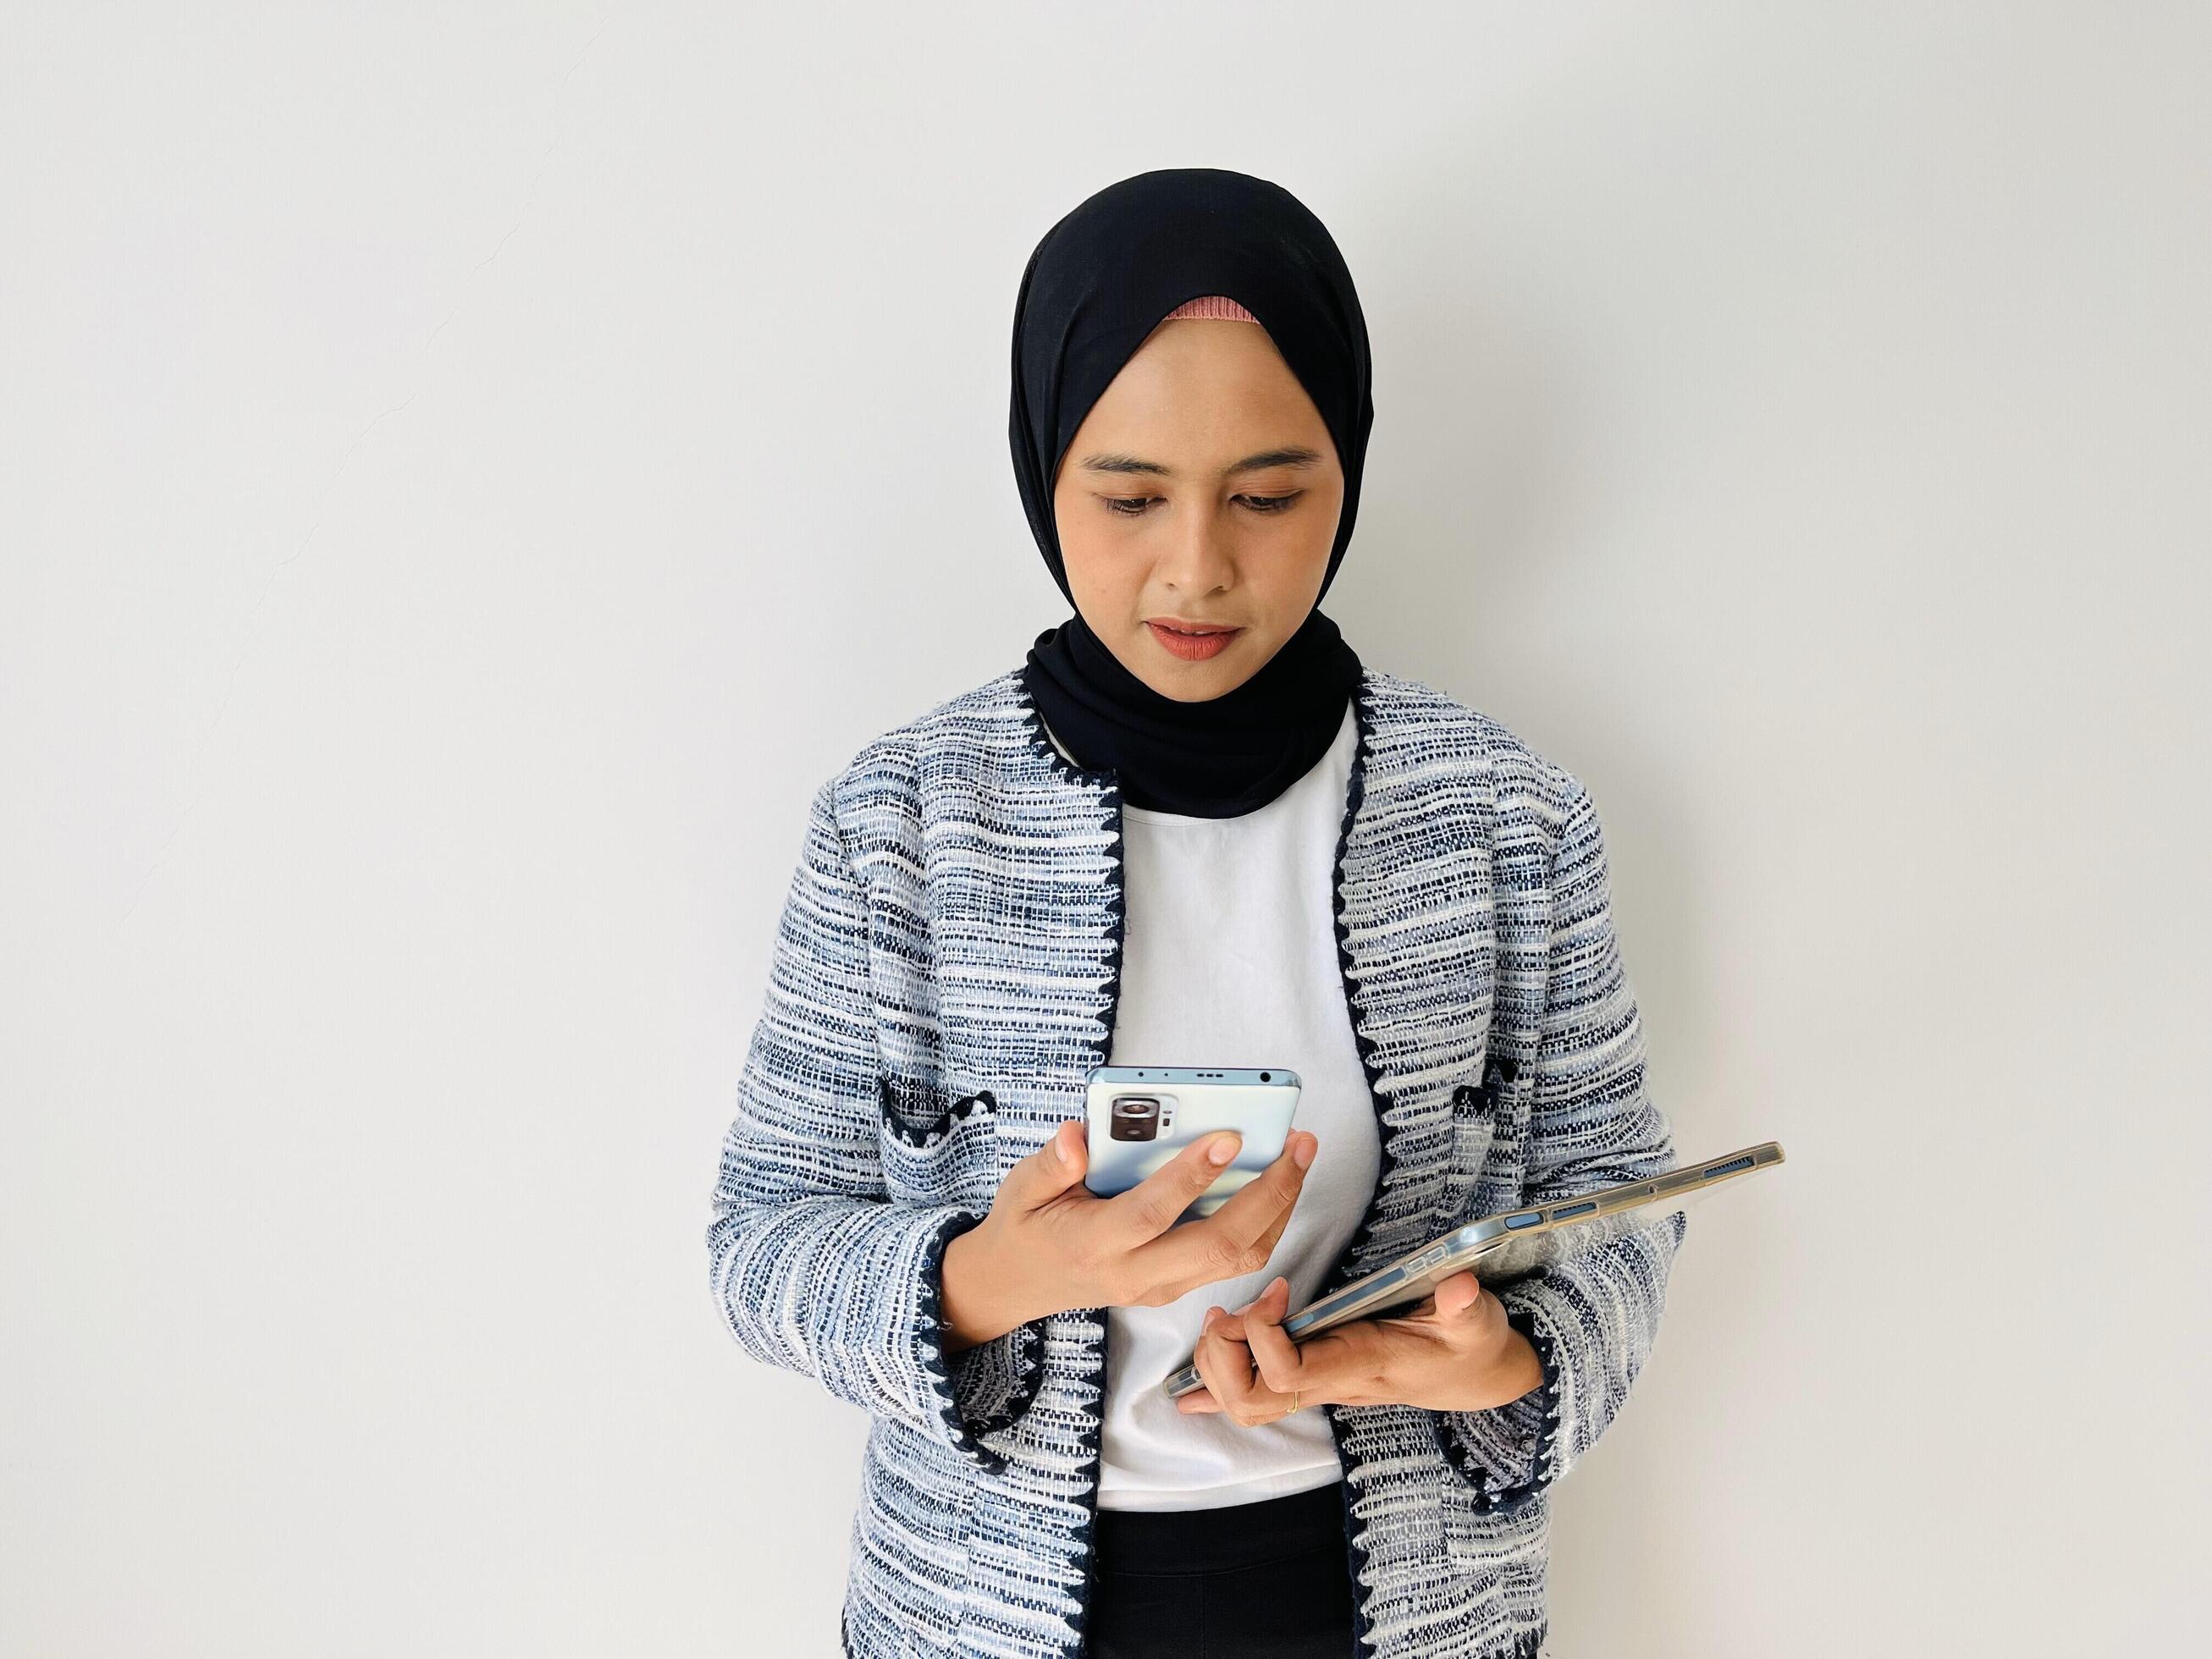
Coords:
1502,1247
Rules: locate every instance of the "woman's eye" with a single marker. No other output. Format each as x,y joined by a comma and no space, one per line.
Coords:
1130,507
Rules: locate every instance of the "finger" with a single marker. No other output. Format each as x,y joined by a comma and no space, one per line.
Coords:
1455,1296
1257,1212
1454,1301
1241,1235
1225,1364
1150,1208
1202,1398
1052,1169
1237,1384
1280,1364
1231,1325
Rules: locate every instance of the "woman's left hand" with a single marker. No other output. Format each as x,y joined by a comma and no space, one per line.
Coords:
1453,1352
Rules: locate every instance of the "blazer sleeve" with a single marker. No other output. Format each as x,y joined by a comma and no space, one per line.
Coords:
1593,1316
816,1268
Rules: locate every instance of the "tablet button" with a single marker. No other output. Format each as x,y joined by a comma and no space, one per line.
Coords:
1528,1220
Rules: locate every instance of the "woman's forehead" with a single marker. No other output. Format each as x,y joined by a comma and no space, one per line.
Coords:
1205,384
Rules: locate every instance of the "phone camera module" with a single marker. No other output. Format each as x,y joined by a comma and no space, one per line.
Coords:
1136,1117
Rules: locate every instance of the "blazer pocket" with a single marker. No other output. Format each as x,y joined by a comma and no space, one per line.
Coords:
936,1150
1478,1110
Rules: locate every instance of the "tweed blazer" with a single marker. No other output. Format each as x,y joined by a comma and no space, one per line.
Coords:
945,975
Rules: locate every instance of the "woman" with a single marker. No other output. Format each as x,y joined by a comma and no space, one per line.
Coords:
1193,828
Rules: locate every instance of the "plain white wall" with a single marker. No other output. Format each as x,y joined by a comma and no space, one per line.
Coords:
467,473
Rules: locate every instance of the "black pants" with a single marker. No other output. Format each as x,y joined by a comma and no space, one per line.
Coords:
1270,1578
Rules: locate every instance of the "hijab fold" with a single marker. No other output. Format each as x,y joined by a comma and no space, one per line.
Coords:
1096,287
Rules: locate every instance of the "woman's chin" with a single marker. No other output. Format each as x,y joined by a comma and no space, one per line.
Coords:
1192,682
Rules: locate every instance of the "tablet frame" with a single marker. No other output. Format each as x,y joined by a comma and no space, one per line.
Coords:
1505,1246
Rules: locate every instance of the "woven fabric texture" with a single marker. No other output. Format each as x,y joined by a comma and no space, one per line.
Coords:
943,978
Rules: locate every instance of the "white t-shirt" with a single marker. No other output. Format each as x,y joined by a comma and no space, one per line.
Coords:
1229,958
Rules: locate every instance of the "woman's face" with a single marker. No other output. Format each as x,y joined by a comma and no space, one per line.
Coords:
1203,488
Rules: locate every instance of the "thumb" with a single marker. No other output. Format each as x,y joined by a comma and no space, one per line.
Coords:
1455,1295
1050,1170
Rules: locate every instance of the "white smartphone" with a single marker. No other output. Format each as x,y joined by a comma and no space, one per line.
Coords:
1140,1116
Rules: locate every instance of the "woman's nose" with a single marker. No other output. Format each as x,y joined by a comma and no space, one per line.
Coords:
1200,558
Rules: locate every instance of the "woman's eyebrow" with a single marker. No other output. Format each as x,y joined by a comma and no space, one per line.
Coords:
1288,455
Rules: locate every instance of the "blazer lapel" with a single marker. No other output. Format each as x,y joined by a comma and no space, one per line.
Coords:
1415,939
1026,885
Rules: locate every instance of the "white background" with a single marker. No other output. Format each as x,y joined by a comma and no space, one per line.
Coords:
467,473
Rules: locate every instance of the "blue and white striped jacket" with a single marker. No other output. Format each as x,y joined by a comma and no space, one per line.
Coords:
945,977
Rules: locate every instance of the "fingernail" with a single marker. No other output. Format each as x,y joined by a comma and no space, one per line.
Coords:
1302,1154
1059,1147
1221,1149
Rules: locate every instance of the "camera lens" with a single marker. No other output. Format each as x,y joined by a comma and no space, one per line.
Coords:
1267,1077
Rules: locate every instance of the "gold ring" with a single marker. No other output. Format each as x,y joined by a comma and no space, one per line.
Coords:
1294,1400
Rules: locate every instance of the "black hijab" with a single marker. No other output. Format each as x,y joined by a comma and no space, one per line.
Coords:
1097,286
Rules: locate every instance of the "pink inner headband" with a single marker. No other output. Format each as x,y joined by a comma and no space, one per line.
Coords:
1212,305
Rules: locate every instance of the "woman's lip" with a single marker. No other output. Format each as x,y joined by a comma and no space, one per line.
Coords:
1194,647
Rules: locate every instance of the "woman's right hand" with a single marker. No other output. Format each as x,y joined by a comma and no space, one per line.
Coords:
1050,1244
